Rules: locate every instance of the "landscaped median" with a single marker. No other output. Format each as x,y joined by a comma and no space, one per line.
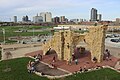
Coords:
16,69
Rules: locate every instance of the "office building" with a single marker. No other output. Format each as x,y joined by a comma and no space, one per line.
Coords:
37,19
62,19
14,19
56,19
74,20
81,20
25,18
47,16
43,14
99,17
118,20
93,14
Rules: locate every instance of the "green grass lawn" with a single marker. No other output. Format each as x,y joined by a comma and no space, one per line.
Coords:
19,72
10,31
102,74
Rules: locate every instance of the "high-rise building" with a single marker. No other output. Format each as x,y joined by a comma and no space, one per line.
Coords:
66,20
44,16
93,14
37,19
117,21
99,17
74,20
25,18
62,18
47,16
56,19
15,19
81,20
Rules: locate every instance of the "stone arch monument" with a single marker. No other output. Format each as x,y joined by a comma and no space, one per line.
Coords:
63,42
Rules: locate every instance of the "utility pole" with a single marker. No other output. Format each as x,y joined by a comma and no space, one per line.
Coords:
3,34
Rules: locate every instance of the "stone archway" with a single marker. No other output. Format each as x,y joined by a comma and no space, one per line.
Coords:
81,50
64,41
50,51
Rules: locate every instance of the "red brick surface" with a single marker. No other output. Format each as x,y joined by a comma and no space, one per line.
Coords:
83,61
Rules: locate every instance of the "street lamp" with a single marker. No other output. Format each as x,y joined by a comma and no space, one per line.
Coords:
33,32
3,34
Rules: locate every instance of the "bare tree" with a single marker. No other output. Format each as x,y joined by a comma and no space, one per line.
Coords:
8,55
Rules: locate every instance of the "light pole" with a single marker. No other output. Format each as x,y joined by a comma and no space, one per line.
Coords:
3,34
33,32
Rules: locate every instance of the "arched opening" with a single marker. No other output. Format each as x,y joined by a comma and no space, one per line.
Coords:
81,50
50,51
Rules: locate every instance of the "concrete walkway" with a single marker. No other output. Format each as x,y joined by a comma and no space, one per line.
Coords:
21,52
114,51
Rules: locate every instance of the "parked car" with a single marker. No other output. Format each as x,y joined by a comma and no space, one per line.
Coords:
115,40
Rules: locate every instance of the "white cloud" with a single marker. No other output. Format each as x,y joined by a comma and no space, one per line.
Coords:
57,7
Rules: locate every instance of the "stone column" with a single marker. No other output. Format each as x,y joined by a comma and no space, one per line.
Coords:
96,41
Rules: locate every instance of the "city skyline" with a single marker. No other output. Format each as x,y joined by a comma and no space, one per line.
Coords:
69,8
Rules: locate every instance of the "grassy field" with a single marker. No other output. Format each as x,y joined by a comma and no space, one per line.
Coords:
19,72
10,31
103,74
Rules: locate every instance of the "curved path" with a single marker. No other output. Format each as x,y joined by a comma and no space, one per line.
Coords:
45,69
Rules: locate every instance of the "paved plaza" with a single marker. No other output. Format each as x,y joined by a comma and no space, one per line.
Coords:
83,62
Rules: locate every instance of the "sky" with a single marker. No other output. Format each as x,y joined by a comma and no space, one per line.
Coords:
110,9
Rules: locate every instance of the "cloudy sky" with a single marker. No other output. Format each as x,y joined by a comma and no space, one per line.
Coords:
110,9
